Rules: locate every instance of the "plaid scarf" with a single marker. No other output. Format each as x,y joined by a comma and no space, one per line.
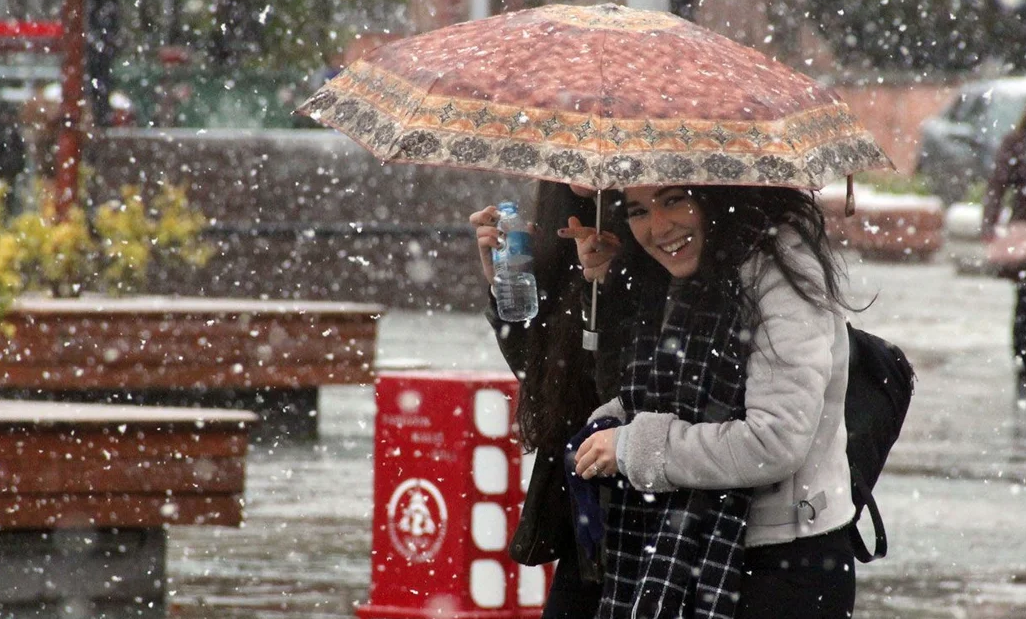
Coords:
680,554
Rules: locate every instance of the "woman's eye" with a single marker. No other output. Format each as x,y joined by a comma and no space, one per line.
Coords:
635,212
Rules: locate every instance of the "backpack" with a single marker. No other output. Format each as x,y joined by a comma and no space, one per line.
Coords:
879,392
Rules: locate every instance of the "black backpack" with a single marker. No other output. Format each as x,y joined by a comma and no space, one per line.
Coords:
879,391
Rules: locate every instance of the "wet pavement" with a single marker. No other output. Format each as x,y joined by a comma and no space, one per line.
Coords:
952,497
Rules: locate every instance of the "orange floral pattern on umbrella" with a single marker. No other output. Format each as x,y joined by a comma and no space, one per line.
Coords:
601,96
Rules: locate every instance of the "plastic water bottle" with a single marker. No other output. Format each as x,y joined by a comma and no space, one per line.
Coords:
516,291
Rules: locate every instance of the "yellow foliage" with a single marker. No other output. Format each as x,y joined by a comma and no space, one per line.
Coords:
5,190
50,252
11,282
134,235
114,248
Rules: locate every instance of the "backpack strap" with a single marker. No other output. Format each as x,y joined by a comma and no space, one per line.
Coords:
866,493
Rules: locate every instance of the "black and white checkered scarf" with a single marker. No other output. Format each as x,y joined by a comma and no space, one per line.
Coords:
679,554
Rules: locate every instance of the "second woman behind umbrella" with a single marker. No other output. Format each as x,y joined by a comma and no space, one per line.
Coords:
560,385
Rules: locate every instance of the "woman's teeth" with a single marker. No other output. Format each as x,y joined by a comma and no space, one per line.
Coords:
677,245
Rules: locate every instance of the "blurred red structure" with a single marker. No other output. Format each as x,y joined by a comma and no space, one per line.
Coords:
448,488
66,37
19,34
69,141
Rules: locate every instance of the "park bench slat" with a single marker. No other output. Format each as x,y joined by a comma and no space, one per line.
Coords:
170,306
301,340
133,444
186,376
186,344
118,510
84,415
27,476
68,464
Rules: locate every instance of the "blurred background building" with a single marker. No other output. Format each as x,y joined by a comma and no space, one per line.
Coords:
160,71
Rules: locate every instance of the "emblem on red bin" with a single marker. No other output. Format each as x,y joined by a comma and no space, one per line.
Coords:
417,520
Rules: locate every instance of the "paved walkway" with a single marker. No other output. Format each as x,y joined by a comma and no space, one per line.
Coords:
952,497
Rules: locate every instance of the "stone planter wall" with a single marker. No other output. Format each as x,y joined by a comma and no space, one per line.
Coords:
885,226
308,214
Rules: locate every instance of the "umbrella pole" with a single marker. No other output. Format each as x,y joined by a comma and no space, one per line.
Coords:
591,336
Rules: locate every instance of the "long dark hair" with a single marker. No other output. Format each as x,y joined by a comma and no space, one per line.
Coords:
557,390
742,221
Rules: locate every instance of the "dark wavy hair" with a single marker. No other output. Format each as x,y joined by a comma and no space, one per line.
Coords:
558,390
740,222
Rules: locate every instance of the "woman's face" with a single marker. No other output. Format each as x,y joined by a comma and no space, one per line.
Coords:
668,224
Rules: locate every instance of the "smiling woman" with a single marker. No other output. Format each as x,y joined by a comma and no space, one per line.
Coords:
728,432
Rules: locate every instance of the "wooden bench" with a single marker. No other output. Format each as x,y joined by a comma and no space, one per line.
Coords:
266,356
88,490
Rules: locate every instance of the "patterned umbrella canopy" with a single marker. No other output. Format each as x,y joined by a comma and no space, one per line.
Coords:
601,96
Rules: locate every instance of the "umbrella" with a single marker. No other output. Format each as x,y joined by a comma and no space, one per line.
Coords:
601,96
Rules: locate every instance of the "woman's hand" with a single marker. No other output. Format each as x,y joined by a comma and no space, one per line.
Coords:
594,251
597,455
484,221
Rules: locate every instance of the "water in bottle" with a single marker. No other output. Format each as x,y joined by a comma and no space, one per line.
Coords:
516,291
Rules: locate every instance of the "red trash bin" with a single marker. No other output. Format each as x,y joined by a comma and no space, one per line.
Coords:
449,482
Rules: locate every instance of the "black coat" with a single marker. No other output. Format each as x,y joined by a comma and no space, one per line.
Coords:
545,531
1009,174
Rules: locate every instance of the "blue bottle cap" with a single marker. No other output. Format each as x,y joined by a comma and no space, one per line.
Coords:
507,206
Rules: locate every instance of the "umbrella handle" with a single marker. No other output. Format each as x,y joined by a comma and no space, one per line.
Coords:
590,338
849,198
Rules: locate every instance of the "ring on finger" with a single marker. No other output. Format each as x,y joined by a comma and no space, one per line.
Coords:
595,470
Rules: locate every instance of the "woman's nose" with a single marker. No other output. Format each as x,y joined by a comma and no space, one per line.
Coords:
659,221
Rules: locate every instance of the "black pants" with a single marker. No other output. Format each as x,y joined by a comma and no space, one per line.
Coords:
570,597
809,578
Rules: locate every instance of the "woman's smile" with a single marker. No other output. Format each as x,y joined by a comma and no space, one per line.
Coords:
675,246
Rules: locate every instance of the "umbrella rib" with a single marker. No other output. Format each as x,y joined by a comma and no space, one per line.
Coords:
405,120
602,116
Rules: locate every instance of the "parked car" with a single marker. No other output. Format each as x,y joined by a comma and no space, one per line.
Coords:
956,147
